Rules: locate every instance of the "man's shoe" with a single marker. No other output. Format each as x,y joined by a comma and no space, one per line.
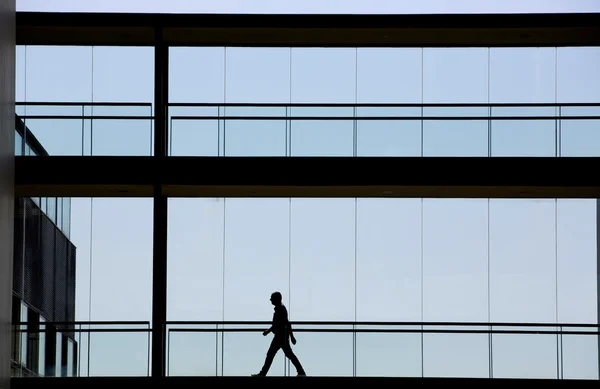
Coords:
303,374
258,375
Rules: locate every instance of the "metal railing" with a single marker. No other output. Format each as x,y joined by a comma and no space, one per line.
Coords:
370,130
318,129
95,348
414,349
86,128
334,348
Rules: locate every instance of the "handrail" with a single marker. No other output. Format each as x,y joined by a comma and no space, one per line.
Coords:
367,118
384,105
314,105
89,117
60,326
325,323
392,330
93,322
387,323
77,104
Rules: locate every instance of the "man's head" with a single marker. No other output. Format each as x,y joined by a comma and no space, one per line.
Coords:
276,298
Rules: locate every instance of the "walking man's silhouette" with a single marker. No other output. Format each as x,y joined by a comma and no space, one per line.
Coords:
282,331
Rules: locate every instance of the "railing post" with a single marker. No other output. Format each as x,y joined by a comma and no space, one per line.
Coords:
159,261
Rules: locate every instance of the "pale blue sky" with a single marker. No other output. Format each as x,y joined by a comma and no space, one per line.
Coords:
333,259
311,6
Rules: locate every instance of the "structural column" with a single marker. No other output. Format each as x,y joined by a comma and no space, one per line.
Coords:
159,263
7,156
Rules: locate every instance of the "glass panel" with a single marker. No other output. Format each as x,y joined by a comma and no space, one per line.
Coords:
24,335
58,73
195,258
122,235
578,80
322,250
59,212
196,74
525,355
122,137
392,138
388,354
388,267
83,352
20,62
258,75
119,354
455,262
524,137
580,137
455,138
58,361
193,353
195,137
331,138
51,211
456,355
123,74
522,261
522,75
323,75
18,144
257,236
389,75
42,348
579,353
71,358
455,75
577,261
67,216
253,137
57,136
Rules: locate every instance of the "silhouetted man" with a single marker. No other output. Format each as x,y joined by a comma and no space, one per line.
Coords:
282,330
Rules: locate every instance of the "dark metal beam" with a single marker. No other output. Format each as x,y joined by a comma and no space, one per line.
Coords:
160,217
435,30
309,177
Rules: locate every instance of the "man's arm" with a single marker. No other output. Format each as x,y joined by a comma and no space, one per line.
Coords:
268,331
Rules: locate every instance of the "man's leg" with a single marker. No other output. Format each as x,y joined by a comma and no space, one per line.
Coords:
287,350
273,348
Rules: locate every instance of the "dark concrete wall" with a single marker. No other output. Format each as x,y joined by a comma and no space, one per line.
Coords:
7,146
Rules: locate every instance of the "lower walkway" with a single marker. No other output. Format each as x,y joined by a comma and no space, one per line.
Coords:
277,382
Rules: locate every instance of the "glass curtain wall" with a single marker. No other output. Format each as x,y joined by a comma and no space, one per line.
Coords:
379,260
